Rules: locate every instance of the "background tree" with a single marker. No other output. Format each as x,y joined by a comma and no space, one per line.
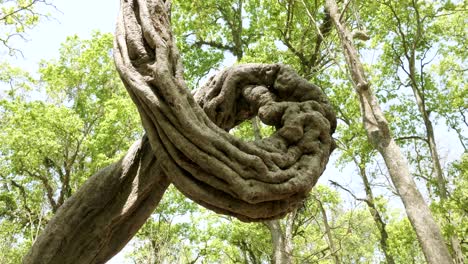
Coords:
50,143
418,35
19,16
378,131
163,238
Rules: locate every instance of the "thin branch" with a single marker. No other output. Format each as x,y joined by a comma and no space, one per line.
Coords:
449,13
334,183
214,44
419,28
25,8
347,2
23,195
402,64
399,28
460,110
47,186
412,137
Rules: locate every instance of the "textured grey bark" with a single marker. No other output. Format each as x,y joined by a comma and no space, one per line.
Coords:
378,132
282,238
279,254
251,181
187,141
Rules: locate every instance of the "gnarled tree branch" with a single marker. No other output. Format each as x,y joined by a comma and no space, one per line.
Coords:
188,141
250,181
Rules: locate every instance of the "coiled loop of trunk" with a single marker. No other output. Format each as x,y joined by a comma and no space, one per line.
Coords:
250,180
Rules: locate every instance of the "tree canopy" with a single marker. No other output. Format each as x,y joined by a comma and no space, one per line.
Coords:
74,117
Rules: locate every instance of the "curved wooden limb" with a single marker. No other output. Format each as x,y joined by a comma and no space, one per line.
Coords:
251,181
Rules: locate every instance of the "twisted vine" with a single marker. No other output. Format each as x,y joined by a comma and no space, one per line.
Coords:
187,144
252,181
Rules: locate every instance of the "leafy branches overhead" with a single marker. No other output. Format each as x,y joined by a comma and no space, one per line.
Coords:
225,25
423,57
18,16
212,28
79,121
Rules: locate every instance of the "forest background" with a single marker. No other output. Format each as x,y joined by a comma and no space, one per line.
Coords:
64,115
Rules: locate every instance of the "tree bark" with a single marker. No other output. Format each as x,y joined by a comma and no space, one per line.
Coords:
252,182
277,241
378,132
289,235
281,239
457,250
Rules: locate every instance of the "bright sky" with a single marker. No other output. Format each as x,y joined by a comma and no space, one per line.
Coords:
73,17
83,16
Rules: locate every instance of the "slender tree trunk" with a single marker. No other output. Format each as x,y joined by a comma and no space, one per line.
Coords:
281,240
244,254
378,132
459,258
379,222
288,235
277,240
419,97
441,184
256,128
430,137
331,242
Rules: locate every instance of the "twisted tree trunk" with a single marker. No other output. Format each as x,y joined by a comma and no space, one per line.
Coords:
187,141
256,181
378,132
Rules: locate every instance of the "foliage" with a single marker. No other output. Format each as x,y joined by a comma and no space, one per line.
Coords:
19,16
422,56
457,204
403,243
59,130
159,240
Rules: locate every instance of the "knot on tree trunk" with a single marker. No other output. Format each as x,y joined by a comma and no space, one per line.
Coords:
250,180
